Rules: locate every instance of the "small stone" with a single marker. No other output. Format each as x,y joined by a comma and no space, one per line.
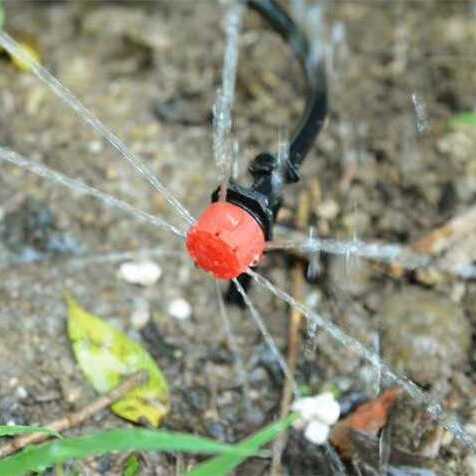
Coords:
140,317
217,431
317,432
95,147
21,393
425,335
328,209
73,394
470,463
143,273
254,416
180,309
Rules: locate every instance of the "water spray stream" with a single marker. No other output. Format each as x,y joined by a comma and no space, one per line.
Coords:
422,121
16,51
267,336
234,347
222,146
386,253
432,407
79,261
7,155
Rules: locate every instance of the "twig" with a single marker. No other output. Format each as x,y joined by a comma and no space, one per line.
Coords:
421,254
76,418
443,237
294,337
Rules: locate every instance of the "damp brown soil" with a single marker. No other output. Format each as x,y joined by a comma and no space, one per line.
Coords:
150,71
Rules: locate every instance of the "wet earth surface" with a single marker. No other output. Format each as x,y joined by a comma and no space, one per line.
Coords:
381,170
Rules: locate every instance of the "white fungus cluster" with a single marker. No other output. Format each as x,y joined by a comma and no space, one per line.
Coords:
317,415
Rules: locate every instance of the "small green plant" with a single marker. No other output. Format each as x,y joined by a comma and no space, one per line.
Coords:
224,464
41,457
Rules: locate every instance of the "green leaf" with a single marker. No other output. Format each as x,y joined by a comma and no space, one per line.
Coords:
224,464
7,430
107,356
465,118
132,466
40,457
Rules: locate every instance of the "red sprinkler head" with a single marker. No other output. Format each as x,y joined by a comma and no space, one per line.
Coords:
225,241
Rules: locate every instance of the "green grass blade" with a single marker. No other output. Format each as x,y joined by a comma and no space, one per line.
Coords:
9,430
465,118
224,464
38,458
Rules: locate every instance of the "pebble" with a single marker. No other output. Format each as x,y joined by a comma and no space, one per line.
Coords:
21,393
180,309
254,416
95,147
217,431
425,334
143,273
328,209
73,394
470,463
140,317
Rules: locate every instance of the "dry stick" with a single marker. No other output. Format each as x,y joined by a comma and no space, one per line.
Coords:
76,418
294,337
443,237
441,240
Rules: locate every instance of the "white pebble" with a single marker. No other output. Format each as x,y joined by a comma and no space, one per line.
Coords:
21,393
144,273
95,146
317,432
140,317
322,407
180,309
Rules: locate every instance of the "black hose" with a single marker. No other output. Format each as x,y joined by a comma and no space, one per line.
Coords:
264,167
315,112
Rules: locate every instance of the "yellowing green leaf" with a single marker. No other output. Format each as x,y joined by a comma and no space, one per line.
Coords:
107,356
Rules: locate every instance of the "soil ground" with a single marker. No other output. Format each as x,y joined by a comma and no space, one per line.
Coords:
150,71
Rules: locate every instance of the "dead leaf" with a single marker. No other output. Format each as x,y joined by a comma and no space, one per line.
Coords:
367,418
